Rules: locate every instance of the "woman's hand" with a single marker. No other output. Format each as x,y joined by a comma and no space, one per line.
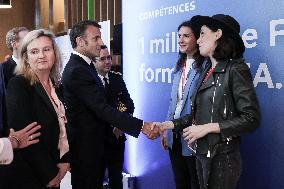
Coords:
164,141
26,136
194,132
63,168
55,182
164,125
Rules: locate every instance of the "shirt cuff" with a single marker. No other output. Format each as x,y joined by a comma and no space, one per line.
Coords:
6,151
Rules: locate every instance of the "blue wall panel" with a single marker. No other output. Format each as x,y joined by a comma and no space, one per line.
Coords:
148,64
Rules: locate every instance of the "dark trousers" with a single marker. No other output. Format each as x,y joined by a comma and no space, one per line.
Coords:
79,180
113,162
184,167
221,171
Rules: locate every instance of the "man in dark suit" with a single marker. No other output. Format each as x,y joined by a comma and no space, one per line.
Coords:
14,38
87,107
119,98
3,118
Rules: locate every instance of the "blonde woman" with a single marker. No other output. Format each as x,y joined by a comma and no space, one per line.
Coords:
31,96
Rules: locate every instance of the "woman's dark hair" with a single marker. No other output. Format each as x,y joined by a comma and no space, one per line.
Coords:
182,56
226,48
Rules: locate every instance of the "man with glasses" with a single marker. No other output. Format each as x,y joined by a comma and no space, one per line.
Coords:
118,97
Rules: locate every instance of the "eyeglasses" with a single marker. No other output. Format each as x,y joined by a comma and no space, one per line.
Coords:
104,58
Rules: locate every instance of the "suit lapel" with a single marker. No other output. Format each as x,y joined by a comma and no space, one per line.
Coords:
220,67
208,83
41,92
176,80
12,63
190,77
114,90
112,83
97,78
92,70
200,85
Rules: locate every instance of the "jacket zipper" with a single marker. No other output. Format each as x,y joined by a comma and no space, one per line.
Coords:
212,109
213,100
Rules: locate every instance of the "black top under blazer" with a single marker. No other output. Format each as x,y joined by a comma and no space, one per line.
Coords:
36,165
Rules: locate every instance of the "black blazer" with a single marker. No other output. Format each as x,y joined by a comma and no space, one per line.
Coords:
3,121
8,70
117,93
87,111
36,165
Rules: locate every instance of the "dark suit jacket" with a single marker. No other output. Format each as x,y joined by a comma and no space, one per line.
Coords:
117,93
36,165
8,70
3,120
87,111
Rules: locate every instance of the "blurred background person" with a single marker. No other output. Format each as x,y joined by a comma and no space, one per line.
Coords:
118,97
7,57
31,96
14,38
186,76
224,107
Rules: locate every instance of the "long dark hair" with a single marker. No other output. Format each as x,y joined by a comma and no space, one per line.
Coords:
226,48
182,56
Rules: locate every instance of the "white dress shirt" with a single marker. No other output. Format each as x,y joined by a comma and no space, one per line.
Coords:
87,59
188,66
6,151
15,59
102,78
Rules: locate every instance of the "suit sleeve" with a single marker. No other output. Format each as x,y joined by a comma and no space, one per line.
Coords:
170,113
125,97
84,86
20,114
6,73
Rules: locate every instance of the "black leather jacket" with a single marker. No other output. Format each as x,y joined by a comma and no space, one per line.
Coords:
227,97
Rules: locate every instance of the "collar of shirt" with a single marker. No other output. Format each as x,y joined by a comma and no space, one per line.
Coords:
87,59
102,78
189,63
15,59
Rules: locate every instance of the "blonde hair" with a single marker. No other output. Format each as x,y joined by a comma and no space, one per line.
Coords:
23,67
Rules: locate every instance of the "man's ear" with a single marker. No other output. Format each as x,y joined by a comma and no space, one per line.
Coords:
218,34
80,42
14,45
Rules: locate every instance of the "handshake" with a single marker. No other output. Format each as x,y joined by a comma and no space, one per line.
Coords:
154,129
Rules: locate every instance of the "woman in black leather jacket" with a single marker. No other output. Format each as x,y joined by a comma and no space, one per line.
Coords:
224,107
